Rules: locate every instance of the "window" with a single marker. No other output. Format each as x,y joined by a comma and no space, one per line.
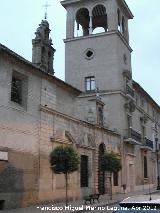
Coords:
19,89
84,171
145,167
90,83
16,90
115,178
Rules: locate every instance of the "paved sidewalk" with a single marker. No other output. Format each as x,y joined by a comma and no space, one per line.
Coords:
78,206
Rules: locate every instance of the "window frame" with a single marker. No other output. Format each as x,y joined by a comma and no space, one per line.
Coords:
23,90
16,90
84,172
90,83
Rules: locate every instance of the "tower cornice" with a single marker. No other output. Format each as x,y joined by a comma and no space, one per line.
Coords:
98,35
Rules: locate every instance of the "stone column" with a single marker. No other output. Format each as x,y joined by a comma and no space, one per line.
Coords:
90,23
70,24
112,16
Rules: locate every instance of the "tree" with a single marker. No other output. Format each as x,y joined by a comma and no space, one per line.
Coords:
64,160
110,163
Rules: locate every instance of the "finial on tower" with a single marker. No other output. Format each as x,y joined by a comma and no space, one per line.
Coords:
46,9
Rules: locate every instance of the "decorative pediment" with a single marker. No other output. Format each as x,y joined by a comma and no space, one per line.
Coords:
65,137
70,137
91,141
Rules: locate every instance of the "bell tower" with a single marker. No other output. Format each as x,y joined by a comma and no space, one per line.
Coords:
97,50
42,49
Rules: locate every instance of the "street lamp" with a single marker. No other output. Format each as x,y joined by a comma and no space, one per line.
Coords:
157,152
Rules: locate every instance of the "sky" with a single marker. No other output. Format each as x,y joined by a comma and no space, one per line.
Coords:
19,20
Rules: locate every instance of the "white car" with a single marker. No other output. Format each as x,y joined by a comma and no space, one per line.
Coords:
141,203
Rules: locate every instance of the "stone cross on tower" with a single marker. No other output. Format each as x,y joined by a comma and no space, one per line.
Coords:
46,5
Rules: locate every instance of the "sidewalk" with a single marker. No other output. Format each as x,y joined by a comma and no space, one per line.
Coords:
78,206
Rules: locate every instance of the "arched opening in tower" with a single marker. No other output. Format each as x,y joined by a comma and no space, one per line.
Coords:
119,19
99,19
82,22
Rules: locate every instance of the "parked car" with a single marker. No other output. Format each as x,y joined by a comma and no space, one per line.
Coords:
141,204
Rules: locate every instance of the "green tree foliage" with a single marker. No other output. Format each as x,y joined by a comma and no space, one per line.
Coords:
64,160
110,163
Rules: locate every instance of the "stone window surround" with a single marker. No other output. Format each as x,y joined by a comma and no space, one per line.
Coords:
24,89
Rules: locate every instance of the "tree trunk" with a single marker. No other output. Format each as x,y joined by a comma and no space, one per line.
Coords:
66,178
110,186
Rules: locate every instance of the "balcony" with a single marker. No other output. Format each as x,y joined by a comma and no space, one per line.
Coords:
129,91
132,137
135,135
147,144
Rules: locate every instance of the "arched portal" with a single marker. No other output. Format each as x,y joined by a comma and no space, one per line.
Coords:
101,174
99,18
82,20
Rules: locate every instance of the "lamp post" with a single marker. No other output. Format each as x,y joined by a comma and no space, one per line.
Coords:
157,152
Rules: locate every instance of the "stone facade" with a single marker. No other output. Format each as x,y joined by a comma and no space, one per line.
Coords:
30,132
39,112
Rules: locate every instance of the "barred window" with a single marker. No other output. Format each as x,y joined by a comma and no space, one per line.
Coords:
16,90
84,171
19,89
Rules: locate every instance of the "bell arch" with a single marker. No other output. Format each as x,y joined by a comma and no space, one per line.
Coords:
82,22
119,19
99,19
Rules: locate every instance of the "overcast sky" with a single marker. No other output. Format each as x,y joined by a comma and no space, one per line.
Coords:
19,20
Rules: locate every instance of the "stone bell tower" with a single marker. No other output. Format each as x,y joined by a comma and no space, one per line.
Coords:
97,50
42,50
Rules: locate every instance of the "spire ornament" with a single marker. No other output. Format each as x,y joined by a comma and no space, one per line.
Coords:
46,5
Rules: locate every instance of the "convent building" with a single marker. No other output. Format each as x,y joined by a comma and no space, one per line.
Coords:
98,108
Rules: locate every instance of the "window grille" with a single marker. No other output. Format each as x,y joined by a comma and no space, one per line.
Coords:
16,90
84,171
